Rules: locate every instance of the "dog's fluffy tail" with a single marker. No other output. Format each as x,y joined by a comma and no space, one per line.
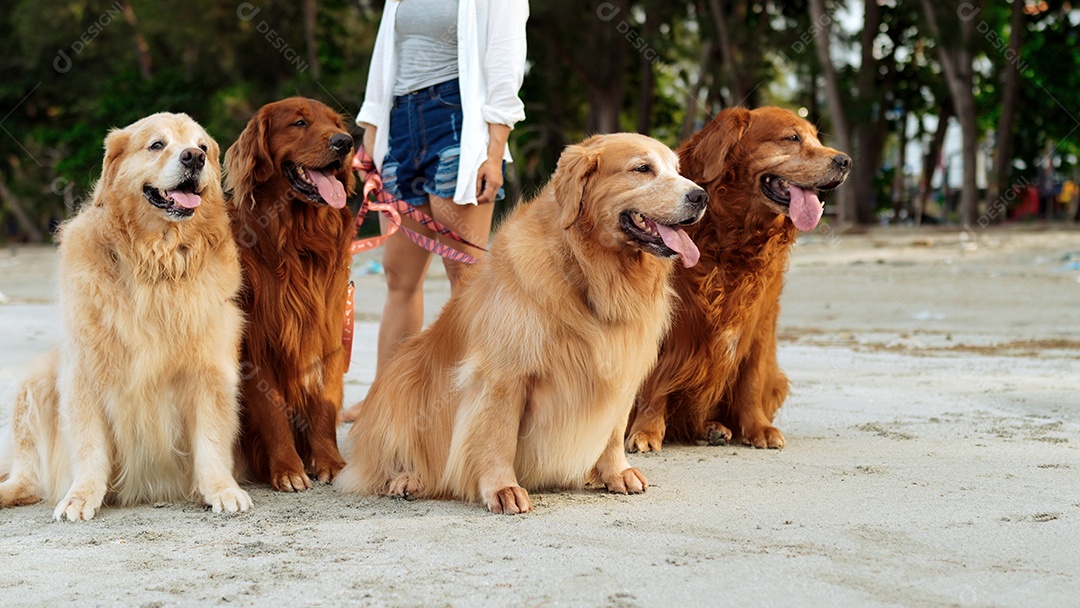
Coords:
32,462
7,448
7,439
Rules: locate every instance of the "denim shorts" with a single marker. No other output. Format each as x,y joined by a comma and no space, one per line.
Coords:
425,144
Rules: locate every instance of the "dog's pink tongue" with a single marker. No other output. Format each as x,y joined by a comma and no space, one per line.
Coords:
805,209
330,188
187,200
678,241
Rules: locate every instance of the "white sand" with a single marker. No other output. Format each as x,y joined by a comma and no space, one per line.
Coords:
933,459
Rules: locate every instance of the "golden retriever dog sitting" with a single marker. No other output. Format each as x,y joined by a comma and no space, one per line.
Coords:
526,379
139,403
717,378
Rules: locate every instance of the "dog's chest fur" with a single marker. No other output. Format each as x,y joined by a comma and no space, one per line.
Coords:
587,371
158,315
297,273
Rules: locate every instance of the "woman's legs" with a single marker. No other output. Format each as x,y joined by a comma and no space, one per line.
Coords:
471,222
405,265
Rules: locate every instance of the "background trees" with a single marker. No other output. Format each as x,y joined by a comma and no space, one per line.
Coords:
881,78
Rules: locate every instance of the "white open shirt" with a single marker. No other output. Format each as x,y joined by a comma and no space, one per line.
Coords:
491,66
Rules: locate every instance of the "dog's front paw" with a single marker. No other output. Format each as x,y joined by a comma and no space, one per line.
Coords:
765,437
629,481
717,434
405,486
326,472
229,500
645,441
78,506
290,481
510,500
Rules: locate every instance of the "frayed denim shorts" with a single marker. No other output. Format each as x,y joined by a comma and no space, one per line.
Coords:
425,144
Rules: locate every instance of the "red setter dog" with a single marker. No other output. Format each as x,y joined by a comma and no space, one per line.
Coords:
717,377
290,174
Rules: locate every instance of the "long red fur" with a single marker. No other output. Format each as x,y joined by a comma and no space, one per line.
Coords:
296,261
717,376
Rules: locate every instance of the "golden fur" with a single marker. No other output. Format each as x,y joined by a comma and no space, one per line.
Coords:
526,378
139,404
294,249
717,377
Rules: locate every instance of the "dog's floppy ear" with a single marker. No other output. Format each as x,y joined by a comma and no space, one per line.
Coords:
116,142
247,161
213,156
576,165
704,155
347,174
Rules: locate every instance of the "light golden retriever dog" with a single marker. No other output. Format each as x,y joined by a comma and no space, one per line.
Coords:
526,379
139,403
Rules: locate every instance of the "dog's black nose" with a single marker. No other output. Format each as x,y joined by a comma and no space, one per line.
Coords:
193,158
697,198
843,161
341,143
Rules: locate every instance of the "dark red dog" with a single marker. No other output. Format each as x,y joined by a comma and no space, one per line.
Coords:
289,175
717,378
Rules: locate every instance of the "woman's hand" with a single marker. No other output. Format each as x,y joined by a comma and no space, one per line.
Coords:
490,176
368,141
488,180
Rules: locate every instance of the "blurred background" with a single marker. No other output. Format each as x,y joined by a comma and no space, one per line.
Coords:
958,112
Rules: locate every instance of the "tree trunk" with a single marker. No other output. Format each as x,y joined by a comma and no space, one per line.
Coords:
845,195
931,162
694,92
32,231
869,137
898,194
647,93
956,63
868,133
607,69
142,48
311,12
1009,95
728,50
604,106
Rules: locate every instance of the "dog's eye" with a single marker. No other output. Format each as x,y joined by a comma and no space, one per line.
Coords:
157,145
793,137
202,147
643,169
300,123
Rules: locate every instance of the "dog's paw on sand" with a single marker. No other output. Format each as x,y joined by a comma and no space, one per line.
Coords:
645,441
290,481
229,500
629,481
717,434
326,469
78,506
510,500
405,486
764,437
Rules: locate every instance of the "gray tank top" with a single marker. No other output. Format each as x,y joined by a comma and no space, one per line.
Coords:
426,44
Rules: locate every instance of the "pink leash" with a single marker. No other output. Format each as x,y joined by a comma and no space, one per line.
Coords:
375,198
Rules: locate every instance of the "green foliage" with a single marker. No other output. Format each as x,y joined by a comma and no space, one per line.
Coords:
71,72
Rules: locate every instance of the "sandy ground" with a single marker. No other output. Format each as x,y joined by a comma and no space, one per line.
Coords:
933,459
